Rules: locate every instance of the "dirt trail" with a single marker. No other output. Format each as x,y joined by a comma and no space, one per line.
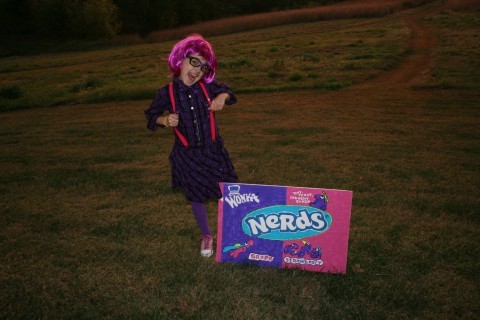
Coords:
373,103
416,65
369,109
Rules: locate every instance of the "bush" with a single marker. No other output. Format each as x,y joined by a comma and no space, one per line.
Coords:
10,92
273,74
89,84
295,77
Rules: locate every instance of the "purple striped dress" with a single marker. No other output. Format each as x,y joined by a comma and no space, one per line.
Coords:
198,169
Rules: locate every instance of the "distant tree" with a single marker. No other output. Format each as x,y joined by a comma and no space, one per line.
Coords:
144,16
15,17
163,15
189,11
106,18
134,15
97,19
54,18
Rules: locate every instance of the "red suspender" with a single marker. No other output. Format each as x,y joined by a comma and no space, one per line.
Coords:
172,100
212,116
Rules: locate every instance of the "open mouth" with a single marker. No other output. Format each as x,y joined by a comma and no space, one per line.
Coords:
192,76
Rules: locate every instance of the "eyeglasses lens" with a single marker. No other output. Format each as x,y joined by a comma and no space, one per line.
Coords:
194,62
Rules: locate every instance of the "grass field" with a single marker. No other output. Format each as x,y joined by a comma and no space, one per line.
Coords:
90,227
281,58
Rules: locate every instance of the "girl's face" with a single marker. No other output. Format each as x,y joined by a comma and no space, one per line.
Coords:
193,68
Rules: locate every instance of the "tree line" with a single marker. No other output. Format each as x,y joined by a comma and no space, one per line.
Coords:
96,19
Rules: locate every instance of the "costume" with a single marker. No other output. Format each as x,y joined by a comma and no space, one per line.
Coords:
198,168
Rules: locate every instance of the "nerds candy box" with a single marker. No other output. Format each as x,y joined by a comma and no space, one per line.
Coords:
284,227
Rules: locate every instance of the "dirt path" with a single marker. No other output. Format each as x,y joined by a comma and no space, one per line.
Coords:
416,66
373,105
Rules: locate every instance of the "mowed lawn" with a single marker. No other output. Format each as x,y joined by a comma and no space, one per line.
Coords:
90,227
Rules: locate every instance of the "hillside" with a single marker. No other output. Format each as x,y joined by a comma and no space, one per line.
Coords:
387,107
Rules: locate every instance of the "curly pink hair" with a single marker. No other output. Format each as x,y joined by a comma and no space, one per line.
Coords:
193,44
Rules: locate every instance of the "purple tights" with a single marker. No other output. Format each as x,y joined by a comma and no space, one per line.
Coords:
200,213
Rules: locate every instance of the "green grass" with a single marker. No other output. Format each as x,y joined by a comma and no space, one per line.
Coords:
456,66
305,56
90,228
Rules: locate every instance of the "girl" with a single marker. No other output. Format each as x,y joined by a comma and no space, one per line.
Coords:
198,160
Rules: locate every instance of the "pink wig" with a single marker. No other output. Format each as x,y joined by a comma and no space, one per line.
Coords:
193,44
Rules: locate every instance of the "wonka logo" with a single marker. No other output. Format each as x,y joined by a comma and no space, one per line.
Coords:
235,198
286,222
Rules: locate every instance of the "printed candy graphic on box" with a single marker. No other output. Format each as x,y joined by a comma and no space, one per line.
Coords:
284,227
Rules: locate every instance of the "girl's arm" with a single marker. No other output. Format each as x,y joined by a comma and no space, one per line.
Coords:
154,113
219,102
168,120
222,95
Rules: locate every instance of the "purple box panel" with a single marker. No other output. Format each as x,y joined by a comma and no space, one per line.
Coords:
284,227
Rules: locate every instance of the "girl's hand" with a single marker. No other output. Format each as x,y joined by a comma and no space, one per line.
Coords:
219,102
171,120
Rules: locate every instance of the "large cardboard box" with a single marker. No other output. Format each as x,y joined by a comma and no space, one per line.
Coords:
284,227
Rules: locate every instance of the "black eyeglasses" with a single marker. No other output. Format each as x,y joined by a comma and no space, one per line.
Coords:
195,62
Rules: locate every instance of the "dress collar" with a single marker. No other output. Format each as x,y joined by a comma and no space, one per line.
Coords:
183,87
